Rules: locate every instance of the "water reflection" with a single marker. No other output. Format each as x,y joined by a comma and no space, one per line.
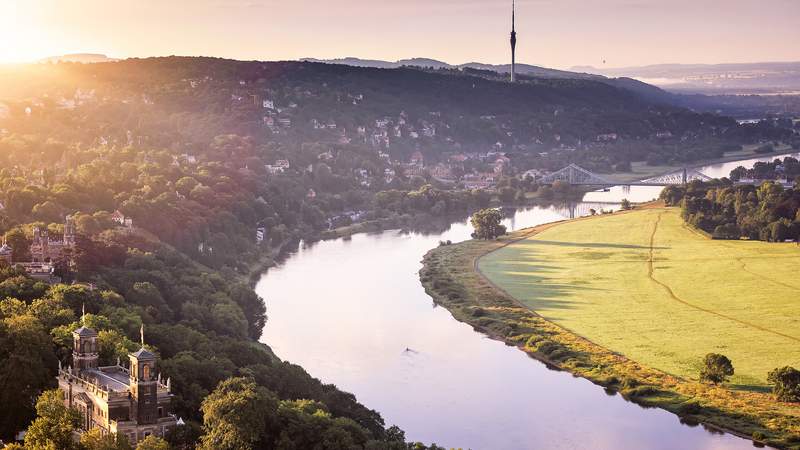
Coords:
353,313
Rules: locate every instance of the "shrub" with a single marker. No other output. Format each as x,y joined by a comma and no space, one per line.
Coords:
690,407
547,347
642,391
561,354
629,383
786,384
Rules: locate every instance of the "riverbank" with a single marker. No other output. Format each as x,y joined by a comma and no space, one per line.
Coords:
451,277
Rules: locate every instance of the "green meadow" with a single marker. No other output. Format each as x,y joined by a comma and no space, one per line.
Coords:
645,285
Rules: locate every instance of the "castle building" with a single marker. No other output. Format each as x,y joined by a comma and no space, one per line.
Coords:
43,249
6,253
131,401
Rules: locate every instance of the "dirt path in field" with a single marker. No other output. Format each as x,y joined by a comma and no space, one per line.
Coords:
651,275
764,277
741,260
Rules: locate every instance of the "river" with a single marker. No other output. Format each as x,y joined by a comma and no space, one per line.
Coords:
353,313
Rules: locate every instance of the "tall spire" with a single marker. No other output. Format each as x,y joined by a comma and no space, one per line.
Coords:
141,334
83,314
513,41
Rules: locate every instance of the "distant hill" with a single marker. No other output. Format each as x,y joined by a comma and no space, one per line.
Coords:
85,58
649,92
750,78
524,69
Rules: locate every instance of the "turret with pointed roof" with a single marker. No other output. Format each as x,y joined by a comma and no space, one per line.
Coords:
143,384
84,349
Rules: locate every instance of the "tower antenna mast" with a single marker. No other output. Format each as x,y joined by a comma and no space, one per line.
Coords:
513,42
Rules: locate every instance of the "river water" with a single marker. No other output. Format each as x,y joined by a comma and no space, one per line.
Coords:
353,313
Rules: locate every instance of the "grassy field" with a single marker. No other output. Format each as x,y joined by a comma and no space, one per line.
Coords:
646,286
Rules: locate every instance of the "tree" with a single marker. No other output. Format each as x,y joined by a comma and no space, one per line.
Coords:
54,424
94,439
153,443
786,384
114,345
27,368
308,424
236,415
738,173
507,194
726,231
185,185
20,245
625,204
487,224
716,368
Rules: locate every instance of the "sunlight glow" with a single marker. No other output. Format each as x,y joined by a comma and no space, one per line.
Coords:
21,39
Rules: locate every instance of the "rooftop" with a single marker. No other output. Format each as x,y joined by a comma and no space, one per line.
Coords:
142,354
114,378
85,332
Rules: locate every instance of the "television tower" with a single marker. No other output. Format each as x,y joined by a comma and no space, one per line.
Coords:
513,42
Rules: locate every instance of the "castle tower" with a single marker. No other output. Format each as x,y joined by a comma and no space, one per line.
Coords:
513,43
69,231
84,349
143,385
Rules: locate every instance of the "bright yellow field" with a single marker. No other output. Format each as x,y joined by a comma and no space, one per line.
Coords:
645,285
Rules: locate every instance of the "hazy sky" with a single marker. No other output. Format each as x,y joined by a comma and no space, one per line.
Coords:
554,33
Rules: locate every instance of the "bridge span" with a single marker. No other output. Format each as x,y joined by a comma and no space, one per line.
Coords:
578,176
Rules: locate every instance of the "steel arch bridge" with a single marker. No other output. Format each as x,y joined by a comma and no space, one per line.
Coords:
576,175
677,177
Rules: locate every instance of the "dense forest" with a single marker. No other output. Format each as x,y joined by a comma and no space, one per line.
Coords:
768,212
181,175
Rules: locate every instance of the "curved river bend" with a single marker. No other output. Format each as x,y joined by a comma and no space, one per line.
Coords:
353,313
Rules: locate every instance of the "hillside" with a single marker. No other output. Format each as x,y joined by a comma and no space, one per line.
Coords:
703,88
399,110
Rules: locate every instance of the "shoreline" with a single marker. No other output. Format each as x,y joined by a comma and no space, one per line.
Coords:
451,277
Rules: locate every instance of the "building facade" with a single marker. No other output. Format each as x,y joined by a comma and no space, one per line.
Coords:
132,401
43,249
